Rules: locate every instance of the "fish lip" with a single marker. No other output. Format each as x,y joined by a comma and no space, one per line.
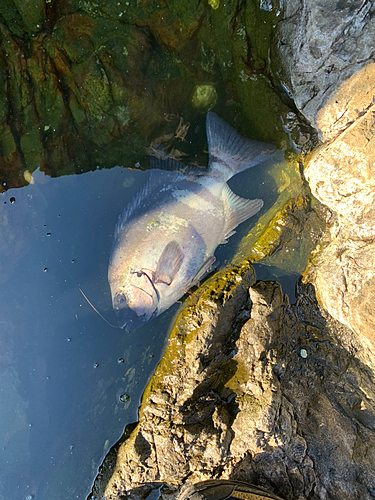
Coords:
127,318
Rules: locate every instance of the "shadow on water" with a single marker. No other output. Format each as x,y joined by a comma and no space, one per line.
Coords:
288,281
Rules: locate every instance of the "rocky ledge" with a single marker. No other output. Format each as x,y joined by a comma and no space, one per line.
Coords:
252,388
328,66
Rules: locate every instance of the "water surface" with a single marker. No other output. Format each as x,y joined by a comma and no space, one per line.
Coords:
70,383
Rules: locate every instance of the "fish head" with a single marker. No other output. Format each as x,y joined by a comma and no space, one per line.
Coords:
135,299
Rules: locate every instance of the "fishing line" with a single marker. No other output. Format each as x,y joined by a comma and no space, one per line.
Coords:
83,294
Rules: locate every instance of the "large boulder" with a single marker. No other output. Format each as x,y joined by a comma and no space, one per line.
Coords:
342,175
254,389
325,49
321,44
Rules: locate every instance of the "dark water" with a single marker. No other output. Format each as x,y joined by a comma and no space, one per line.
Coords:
60,375
69,383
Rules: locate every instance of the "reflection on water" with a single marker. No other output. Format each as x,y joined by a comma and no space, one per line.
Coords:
69,383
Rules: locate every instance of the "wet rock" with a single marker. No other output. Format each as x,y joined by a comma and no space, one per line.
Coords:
78,85
234,398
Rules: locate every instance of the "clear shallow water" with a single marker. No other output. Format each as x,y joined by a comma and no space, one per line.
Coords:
69,383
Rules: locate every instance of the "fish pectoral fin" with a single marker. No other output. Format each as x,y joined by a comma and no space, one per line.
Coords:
202,270
169,263
237,210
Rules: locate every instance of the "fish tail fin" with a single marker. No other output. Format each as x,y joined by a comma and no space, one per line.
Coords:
229,152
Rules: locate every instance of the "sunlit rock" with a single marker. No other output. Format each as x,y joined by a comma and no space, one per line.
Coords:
233,397
320,45
342,176
327,65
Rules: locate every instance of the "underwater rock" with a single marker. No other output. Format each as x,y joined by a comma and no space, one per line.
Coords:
253,389
78,83
204,97
83,86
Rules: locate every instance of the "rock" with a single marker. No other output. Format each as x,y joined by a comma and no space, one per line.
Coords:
320,45
234,398
84,87
324,48
342,176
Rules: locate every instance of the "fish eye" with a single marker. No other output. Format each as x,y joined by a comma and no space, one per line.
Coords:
139,274
121,299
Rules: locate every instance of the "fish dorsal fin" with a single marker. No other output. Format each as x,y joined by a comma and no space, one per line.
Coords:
237,210
228,147
169,263
158,179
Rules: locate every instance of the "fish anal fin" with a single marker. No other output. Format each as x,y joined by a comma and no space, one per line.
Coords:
169,263
237,210
226,237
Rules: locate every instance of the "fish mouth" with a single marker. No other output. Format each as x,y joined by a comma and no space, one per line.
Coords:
129,320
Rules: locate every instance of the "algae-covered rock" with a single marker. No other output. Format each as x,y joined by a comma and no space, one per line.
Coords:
285,235
100,82
238,42
31,12
204,97
254,389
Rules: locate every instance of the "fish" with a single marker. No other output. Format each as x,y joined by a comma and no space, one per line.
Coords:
165,239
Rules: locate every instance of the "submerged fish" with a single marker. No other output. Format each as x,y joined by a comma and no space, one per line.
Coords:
165,239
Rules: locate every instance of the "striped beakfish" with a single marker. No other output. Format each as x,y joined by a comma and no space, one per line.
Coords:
165,239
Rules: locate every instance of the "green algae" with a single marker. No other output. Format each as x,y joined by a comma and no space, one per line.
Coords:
7,144
204,97
32,148
240,40
48,100
12,18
